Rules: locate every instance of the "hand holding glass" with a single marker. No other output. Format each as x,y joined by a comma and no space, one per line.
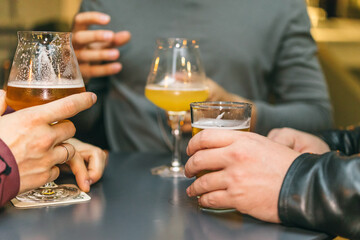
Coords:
219,115
44,69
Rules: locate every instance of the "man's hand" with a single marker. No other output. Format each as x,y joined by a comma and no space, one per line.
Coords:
93,47
88,163
299,141
247,171
36,142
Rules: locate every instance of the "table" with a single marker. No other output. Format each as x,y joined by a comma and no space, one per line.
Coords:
130,203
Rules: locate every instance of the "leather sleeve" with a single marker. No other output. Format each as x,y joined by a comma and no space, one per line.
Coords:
346,141
322,192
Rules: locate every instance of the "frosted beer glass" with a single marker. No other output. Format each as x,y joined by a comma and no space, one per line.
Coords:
219,115
44,69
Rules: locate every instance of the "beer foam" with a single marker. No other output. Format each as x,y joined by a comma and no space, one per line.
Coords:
61,83
208,123
177,88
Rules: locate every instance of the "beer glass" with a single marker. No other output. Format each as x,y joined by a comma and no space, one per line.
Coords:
176,79
44,69
219,115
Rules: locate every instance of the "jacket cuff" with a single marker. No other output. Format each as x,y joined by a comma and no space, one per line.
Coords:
9,174
284,197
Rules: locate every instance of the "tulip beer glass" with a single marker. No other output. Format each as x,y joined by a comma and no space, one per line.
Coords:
44,69
176,79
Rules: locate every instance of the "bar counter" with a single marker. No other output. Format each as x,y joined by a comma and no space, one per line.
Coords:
130,203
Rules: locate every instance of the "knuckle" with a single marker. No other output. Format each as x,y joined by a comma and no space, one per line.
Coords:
235,177
203,182
209,200
196,160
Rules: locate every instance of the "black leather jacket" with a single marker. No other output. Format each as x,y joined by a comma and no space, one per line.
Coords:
322,192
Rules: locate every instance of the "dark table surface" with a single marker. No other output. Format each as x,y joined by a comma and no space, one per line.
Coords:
130,203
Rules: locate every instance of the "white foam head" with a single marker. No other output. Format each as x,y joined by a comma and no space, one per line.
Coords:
207,123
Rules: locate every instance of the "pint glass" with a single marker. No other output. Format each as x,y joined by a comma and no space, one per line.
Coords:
219,115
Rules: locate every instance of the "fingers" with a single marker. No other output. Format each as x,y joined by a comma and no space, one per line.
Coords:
210,159
63,108
63,153
84,19
63,130
2,102
54,174
96,164
217,199
86,37
91,55
207,183
80,171
282,136
89,71
211,138
121,38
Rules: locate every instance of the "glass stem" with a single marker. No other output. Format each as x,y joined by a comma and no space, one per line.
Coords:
177,120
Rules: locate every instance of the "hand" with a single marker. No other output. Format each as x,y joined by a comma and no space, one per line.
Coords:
88,163
218,93
35,142
299,141
248,171
92,47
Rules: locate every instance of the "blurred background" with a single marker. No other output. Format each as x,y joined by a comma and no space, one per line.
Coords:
335,28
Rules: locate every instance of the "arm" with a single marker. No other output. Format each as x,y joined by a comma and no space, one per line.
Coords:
299,93
322,192
298,84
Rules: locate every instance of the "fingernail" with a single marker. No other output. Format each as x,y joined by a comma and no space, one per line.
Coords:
108,35
113,53
116,67
2,93
94,97
105,18
87,184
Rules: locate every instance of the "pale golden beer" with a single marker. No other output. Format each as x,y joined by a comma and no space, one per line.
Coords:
23,96
175,100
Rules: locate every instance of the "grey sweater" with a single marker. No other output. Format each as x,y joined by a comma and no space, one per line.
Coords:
259,49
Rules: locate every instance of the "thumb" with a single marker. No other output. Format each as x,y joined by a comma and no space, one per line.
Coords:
3,104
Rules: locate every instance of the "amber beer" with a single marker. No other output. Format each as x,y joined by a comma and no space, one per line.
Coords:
21,96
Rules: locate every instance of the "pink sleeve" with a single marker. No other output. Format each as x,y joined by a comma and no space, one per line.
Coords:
9,175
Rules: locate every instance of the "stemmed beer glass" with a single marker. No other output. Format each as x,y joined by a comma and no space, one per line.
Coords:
44,69
176,79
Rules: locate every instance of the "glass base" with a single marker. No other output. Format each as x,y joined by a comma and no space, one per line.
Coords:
217,210
57,193
167,171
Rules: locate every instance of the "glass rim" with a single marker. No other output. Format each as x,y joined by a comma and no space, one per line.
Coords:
173,41
220,104
43,32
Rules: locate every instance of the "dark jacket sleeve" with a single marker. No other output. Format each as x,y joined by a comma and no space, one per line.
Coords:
9,175
346,141
322,192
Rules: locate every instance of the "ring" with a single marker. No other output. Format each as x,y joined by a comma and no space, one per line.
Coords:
67,154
